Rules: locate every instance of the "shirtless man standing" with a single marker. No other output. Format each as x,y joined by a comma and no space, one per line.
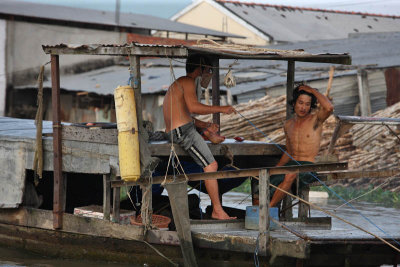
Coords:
179,103
303,136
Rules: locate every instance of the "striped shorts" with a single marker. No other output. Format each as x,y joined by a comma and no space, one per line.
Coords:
191,141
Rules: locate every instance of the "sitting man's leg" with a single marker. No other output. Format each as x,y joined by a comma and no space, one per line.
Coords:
191,141
286,184
212,190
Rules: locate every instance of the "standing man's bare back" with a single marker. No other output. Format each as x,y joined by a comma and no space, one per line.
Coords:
303,132
179,103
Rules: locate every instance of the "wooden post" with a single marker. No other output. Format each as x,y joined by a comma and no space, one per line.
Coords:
289,88
136,84
335,137
64,191
264,212
303,208
215,90
178,198
59,192
254,192
106,196
287,211
137,88
363,92
116,203
287,200
340,129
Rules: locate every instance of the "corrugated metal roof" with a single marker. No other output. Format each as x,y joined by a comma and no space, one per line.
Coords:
376,50
155,80
89,16
373,50
293,24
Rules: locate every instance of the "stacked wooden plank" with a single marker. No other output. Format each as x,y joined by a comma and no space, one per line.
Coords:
267,114
377,147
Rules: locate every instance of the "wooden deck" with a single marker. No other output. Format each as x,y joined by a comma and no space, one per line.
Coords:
340,246
213,240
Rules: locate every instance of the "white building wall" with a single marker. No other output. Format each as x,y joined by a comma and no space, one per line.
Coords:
3,82
25,40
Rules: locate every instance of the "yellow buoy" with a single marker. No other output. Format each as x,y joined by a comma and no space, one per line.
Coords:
128,136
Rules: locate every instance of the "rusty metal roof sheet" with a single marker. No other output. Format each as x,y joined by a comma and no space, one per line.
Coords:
222,51
46,13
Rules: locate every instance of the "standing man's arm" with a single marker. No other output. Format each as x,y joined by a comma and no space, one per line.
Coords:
194,106
326,107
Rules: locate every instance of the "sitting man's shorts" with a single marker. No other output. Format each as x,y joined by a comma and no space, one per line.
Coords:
191,141
305,178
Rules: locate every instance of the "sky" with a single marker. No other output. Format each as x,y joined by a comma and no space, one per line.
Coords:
168,8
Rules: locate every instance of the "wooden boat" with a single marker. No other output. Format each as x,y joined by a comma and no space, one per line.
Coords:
71,151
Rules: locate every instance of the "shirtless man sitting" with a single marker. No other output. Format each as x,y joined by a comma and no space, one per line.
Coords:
303,136
179,103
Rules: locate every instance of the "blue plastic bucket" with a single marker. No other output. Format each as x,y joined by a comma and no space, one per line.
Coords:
253,215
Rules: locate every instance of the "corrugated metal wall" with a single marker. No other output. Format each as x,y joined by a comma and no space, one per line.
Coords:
3,82
392,77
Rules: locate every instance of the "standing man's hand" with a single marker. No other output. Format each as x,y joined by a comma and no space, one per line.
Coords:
228,110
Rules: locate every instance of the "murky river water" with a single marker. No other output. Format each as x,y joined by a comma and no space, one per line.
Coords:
17,258
388,219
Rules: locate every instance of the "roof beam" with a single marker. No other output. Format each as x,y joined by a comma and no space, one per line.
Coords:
222,52
154,51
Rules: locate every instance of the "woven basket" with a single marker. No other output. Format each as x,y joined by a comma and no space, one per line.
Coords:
157,220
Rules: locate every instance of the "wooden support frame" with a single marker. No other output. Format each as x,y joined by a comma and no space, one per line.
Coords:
304,208
363,92
59,192
178,197
340,129
106,196
346,122
237,173
289,87
215,90
116,203
264,221
135,51
287,200
136,83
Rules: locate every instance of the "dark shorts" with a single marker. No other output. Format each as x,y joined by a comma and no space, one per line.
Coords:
191,141
305,178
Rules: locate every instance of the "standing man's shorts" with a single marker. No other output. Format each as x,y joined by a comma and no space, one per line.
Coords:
191,141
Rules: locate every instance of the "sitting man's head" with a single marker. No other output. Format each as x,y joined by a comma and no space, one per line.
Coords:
201,66
303,102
